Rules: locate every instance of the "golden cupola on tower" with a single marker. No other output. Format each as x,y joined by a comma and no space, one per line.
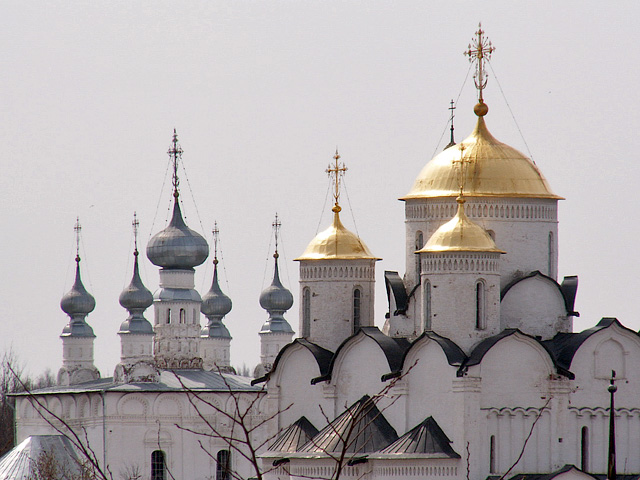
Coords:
336,242
494,170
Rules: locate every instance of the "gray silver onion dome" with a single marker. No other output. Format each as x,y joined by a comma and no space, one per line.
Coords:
215,305
276,300
136,298
215,302
177,246
77,303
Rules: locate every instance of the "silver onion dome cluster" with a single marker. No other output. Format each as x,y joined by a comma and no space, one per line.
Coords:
177,247
77,303
276,300
136,298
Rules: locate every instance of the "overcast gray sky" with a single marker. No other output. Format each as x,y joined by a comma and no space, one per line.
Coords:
261,93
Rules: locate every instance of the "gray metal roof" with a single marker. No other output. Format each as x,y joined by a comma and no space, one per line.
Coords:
362,427
426,438
170,380
20,462
294,436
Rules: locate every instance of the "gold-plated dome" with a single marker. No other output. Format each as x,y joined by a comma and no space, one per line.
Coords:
336,243
460,235
493,169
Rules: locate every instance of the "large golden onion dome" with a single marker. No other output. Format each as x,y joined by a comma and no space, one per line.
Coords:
336,243
460,235
492,169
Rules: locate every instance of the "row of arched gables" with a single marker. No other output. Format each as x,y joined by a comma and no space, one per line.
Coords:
559,351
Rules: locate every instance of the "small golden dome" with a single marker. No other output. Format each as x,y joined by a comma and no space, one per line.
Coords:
336,243
492,169
460,235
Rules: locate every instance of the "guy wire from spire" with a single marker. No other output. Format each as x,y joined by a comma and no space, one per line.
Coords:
444,130
511,112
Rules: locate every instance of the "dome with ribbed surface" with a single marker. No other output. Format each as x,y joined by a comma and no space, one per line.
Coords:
215,302
492,169
276,300
460,235
177,246
77,301
136,295
136,298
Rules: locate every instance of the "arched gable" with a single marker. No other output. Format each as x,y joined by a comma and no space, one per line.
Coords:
535,304
321,356
430,369
597,351
515,367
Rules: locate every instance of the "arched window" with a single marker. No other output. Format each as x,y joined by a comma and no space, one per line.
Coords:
492,234
158,467
584,449
306,312
419,245
223,469
426,305
183,316
480,306
492,454
552,256
356,309
168,315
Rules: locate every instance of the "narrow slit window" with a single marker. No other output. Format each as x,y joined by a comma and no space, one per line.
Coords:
356,309
306,312
223,468
158,467
480,306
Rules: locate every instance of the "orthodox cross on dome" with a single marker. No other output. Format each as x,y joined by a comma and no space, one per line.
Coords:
175,152
461,167
335,171
77,228
276,229
215,232
452,108
135,224
479,51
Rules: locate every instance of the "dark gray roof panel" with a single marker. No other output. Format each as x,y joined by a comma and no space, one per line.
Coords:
362,427
294,436
395,286
426,438
455,355
565,345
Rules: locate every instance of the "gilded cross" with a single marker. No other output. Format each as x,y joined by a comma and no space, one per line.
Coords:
461,167
479,50
175,152
336,170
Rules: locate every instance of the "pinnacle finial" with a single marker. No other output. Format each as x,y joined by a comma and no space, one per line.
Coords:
336,170
135,224
216,233
479,51
77,228
175,152
276,230
452,108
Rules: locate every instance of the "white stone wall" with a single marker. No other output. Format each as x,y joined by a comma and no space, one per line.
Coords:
331,283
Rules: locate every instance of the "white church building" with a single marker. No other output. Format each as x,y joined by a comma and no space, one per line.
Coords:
476,374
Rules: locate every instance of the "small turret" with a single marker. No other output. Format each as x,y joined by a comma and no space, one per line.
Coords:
77,336
136,333
215,340
276,331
